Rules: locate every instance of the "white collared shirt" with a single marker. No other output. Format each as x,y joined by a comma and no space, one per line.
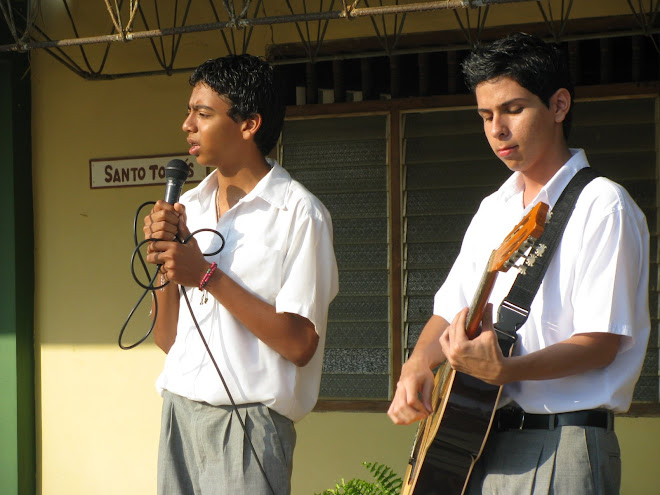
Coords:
278,245
597,281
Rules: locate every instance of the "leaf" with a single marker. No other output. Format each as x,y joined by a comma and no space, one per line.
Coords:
387,483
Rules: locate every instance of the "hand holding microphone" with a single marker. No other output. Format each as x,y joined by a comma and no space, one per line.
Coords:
163,221
171,247
181,261
161,225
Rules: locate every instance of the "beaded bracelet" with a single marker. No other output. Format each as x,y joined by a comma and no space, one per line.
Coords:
207,276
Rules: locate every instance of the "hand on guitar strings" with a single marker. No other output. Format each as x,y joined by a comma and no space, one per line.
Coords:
412,399
480,357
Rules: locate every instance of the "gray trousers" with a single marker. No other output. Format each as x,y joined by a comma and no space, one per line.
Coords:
203,449
571,460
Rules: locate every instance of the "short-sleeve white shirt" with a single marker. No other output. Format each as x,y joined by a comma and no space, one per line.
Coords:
597,281
278,245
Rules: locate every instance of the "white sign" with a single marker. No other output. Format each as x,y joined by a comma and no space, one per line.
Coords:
141,171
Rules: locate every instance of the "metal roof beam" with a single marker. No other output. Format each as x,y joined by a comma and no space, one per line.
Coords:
349,12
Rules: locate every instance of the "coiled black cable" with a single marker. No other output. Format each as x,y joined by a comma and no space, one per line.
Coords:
150,288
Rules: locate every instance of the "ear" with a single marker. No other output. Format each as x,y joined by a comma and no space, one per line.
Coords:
251,125
560,104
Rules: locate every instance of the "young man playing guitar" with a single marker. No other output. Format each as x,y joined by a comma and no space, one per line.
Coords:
580,352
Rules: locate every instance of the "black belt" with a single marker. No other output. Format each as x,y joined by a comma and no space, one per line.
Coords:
509,418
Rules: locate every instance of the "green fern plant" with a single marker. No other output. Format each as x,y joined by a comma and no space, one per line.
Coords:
387,482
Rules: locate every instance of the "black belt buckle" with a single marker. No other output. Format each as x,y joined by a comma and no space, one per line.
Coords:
551,418
509,418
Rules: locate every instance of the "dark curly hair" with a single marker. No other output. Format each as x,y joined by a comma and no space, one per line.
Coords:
539,67
249,83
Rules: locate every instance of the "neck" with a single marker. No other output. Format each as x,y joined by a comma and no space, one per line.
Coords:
235,183
537,177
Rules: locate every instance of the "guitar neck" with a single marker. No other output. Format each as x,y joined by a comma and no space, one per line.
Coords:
480,300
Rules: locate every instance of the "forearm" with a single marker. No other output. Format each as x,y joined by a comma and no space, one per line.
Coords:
167,316
291,335
427,349
576,355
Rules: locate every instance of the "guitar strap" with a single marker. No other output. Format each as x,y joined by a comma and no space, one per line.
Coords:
514,309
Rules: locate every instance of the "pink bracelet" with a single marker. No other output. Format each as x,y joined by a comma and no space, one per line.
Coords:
207,276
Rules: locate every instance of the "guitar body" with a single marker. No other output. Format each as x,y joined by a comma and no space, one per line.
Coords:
450,440
461,426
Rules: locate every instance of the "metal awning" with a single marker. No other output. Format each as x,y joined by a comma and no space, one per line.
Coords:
235,24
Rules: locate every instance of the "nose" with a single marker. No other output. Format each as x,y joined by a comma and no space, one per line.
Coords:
498,127
188,123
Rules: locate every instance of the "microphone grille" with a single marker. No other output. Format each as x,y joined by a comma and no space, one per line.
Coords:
176,169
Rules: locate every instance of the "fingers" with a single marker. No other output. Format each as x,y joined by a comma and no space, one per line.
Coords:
182,228
459,324
454,338
163,206
162,222
180,209
155,229
412,399
444,341
405,409
455,333
158,252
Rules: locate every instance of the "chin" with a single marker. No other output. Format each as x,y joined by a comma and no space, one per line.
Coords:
201,161
514,165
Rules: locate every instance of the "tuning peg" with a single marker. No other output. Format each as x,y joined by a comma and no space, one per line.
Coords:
540,249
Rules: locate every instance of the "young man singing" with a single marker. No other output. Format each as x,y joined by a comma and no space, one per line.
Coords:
261,303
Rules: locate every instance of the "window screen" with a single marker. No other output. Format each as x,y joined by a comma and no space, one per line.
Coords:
343,161
619,137
448,168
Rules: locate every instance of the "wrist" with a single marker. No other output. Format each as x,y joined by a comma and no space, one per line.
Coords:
418,361
511,370
207,276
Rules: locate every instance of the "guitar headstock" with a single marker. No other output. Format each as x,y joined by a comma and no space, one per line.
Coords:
519,239
504,257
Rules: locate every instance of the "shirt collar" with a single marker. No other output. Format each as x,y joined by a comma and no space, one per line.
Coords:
513,188
272,188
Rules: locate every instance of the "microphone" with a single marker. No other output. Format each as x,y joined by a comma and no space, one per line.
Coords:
176,173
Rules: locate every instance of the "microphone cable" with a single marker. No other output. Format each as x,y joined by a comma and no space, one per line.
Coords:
151,288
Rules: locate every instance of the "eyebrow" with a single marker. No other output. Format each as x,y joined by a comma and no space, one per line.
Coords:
502,105
200,107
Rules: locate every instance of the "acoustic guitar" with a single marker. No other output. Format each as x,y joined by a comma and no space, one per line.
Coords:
450,440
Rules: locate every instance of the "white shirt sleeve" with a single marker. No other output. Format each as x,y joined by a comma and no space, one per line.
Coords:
609,270
310,279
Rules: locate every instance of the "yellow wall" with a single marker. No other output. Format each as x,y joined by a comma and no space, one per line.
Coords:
98,414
